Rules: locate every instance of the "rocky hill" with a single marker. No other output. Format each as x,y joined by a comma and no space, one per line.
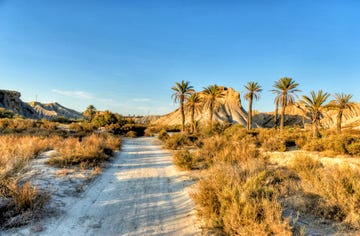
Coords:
53,110
10,100
229,110
297,116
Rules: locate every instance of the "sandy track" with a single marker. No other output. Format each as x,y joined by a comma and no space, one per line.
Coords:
141,193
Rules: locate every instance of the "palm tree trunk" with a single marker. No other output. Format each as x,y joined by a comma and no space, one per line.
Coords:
211,109
192,118
338,121
276,115
315,124
182,114
316,129
249,123
282,120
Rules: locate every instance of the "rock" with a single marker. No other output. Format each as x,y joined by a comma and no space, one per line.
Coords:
10,100
229,110
53,110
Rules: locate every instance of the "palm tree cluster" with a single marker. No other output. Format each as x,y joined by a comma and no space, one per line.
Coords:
184,92
285,90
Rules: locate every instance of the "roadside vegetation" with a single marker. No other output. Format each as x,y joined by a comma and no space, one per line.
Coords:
246,188
241,191
75,145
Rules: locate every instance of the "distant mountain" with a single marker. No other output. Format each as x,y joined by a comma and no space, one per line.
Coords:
53,110
10,100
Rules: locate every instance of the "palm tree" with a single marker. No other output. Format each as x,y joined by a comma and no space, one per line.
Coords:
212,93
276,113
182,92
254,90
193,105
90,112
315,104
341,103
284,89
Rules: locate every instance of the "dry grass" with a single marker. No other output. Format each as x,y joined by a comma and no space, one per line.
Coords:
131,134
184,159
88,151
24,203
17,150
163,135
335,189
238,201
177,141
238,194
21,202
242,194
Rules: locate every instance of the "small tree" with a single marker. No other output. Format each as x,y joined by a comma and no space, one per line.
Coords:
284,89
90,112
212,94
254,90
315,104
341,103
182,92
193,105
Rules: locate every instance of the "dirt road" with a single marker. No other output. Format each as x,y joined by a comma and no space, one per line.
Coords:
140,194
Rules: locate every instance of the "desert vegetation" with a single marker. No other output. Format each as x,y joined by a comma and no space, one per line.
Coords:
246,187
23,140
242,191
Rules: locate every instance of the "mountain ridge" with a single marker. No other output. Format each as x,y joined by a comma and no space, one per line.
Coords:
11,100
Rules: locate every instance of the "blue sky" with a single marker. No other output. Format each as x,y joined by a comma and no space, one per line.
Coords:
124,56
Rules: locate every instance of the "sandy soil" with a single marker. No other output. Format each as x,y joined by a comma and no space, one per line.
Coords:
140,193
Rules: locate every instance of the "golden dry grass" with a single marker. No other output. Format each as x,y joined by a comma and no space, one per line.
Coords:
17,150
238,201
91,150
242,193
337,188
21,203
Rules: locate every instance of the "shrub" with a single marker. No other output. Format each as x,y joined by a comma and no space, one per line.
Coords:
91,150
131,134
26,203
184,159
314,144
274,143
163,135
238,201
177,141
152,129
337,189
353,148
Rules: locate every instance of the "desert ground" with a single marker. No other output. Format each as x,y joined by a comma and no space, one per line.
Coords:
139,193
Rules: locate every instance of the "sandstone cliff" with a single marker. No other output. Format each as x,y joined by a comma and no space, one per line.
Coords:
298,116
10,100
229,110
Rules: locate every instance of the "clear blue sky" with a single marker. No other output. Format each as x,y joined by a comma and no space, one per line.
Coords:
125,55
